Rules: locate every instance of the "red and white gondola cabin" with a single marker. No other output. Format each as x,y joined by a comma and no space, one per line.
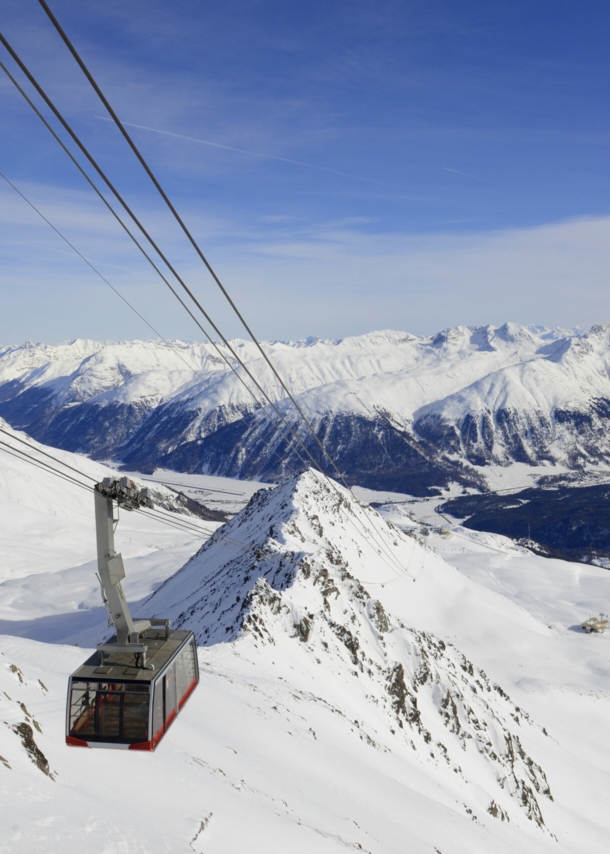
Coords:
111,703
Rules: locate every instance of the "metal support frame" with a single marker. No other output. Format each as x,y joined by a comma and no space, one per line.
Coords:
128,648
111,570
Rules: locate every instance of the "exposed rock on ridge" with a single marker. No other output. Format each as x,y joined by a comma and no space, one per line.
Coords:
288,580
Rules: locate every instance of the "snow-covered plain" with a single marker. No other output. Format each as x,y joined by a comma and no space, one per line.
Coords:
362,687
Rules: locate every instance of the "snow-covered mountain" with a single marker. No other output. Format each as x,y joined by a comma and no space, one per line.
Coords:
291,590
396,411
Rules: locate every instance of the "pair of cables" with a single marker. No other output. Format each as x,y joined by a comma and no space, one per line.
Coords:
155,247
186,231
132,237
285,424
166,518
179,524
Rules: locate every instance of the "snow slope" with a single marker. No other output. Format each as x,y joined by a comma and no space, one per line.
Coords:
47,543
358,692
255,762
430,403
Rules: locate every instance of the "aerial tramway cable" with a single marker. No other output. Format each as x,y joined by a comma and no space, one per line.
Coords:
16,452
168,264
127,208
117,292
96,271
44,453
80,168
193,242
142,250
87,154
161,515
184,228
180,524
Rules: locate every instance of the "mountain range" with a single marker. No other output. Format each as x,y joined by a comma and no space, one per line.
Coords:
395,411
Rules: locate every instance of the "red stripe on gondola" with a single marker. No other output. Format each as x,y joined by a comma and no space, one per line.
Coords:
75,742
143,745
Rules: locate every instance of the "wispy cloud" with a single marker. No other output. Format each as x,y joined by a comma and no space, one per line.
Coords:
294,278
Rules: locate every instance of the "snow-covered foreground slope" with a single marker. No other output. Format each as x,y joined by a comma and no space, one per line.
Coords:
257,761
47,540
357,692
396,411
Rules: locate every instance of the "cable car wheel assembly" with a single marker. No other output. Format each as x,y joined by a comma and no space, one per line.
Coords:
131,689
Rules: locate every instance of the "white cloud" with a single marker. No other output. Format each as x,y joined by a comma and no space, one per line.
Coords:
553,274
292,280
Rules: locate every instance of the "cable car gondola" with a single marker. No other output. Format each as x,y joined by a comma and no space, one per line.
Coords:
130,690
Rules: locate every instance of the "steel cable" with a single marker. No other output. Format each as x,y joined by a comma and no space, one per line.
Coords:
180,524
14,452
118,293
127,208
97,272
182,225
176,215
151,241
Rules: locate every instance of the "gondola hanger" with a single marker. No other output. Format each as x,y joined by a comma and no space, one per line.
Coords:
131,689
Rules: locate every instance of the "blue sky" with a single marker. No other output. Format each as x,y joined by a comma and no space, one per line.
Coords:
400,164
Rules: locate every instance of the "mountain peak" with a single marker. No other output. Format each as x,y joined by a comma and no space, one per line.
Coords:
289,577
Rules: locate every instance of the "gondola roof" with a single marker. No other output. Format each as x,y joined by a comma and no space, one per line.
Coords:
120,666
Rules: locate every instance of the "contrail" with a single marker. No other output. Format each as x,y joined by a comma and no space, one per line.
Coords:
251,153
467,174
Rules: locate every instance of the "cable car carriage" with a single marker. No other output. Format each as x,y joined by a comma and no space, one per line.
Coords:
130,690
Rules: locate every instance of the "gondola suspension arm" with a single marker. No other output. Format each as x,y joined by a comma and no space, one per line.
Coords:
111,570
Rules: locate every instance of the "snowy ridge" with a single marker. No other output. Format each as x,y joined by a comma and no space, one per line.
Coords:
291,591
552,406
430,403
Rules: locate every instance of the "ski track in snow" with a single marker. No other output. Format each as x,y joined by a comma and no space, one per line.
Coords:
342,705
